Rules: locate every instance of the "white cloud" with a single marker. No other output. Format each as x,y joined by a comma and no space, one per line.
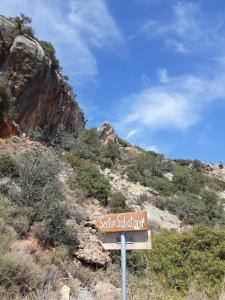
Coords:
187,30
132,133
176,103
73,26
162,75
177,46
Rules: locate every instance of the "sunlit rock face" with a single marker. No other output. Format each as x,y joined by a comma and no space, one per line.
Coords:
42,96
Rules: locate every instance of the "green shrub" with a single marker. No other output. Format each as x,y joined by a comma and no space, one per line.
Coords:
117,203
89,179
87,145
180,259
181,178
50,53
183,162
193,209
145,166
8,166
5,99
214,183
112,151
163,186
41,199
4,208
197,165
63,140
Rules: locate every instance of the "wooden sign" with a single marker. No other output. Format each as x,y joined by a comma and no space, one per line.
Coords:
135,240
131,221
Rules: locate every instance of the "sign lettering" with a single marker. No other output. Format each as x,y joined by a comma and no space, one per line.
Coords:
132,221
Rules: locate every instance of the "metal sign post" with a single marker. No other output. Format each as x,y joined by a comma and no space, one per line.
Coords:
125,231
123,265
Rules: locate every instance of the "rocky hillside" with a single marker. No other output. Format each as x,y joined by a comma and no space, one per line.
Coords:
51,196
42,97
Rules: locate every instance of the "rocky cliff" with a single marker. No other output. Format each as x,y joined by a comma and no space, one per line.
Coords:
42,96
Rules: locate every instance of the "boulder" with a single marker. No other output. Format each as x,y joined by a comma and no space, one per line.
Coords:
105,290
91,251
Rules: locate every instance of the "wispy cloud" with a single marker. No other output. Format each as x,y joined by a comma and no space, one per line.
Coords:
132,133
187,30
177,102
75,27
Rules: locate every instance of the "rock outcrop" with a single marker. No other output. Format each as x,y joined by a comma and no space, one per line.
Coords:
42,96
107,133
216,171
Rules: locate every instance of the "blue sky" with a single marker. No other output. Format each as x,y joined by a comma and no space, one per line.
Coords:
155,69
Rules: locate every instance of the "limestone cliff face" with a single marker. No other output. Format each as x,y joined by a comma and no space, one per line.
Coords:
42,96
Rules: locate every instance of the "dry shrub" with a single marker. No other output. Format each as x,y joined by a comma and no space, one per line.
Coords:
83,273
21,271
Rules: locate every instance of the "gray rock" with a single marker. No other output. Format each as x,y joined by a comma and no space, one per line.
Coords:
84,294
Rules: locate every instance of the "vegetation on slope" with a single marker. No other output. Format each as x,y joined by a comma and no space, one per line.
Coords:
5,99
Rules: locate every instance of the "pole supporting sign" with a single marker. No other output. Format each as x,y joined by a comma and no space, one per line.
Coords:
125,231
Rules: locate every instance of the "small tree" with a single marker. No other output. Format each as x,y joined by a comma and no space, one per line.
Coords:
22,27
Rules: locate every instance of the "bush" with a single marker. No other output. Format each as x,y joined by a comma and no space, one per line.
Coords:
183,162
63,140
163,186
88,145
8,166
89,179
214,183
145,166
20,270
112,151
5,99
41,198
192,209
197,165
181,178
4,208
192,256
117,203
50,53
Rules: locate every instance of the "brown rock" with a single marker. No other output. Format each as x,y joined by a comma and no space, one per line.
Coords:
92,252
42,96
